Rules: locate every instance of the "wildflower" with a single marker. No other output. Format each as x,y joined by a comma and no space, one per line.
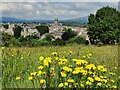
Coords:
70,52
30,78
3,48
39,73
90,54
75,72
54,53
112,81
114,86
42,81
33,74
90,66
63,74
67,69
70,80
41,58
97,78
88,83
65,83
99,84
101,77
90,79
104,80
51,69
84,56
60,85
40,67
82,85
104,70
99,67
56,58
17,78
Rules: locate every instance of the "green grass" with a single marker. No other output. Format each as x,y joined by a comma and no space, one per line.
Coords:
22,61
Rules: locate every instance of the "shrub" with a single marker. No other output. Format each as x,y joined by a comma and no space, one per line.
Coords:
78,40
60,42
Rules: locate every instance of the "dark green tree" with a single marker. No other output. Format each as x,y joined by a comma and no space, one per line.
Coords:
5,26
17,31
42,29
103,26
68,34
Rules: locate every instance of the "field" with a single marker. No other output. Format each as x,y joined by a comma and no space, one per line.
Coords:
60,66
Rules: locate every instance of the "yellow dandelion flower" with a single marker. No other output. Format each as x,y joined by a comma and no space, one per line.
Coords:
67,69
82,85
39,73
42,81
60,85
99,67
40,67
112,81
114,86
3,48
104,80
33,74
90,66
90,54
97,78
90,79
41,58
63,74
56,58
17,78
99,84
54,53
70,80
30,78
84,56
88,83
66,83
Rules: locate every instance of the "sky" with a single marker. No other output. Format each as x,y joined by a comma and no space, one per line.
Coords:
51,10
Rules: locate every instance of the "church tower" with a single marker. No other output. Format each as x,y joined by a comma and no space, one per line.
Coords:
56,21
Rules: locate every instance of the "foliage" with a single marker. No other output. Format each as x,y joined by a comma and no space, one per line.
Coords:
58,42
5,26
78,40
17,31
75,24
68,34
103,26
42,29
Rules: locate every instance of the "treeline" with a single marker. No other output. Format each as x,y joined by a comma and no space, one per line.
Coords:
31,41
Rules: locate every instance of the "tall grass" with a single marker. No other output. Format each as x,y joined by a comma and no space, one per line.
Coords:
22,61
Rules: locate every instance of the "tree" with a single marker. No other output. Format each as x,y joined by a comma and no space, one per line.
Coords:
103,26
5,26
17,31
42,29
68,34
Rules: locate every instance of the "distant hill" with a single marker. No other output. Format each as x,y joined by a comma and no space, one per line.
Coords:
80,20
9,19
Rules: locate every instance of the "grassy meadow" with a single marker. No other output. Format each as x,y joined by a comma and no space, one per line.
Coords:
68,66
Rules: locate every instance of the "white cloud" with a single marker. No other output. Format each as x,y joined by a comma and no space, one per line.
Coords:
49,10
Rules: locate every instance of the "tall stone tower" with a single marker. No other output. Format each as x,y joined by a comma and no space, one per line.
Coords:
56,21
11,28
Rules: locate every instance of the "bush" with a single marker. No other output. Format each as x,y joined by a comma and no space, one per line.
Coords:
68,34
43,42
60,42
78,40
